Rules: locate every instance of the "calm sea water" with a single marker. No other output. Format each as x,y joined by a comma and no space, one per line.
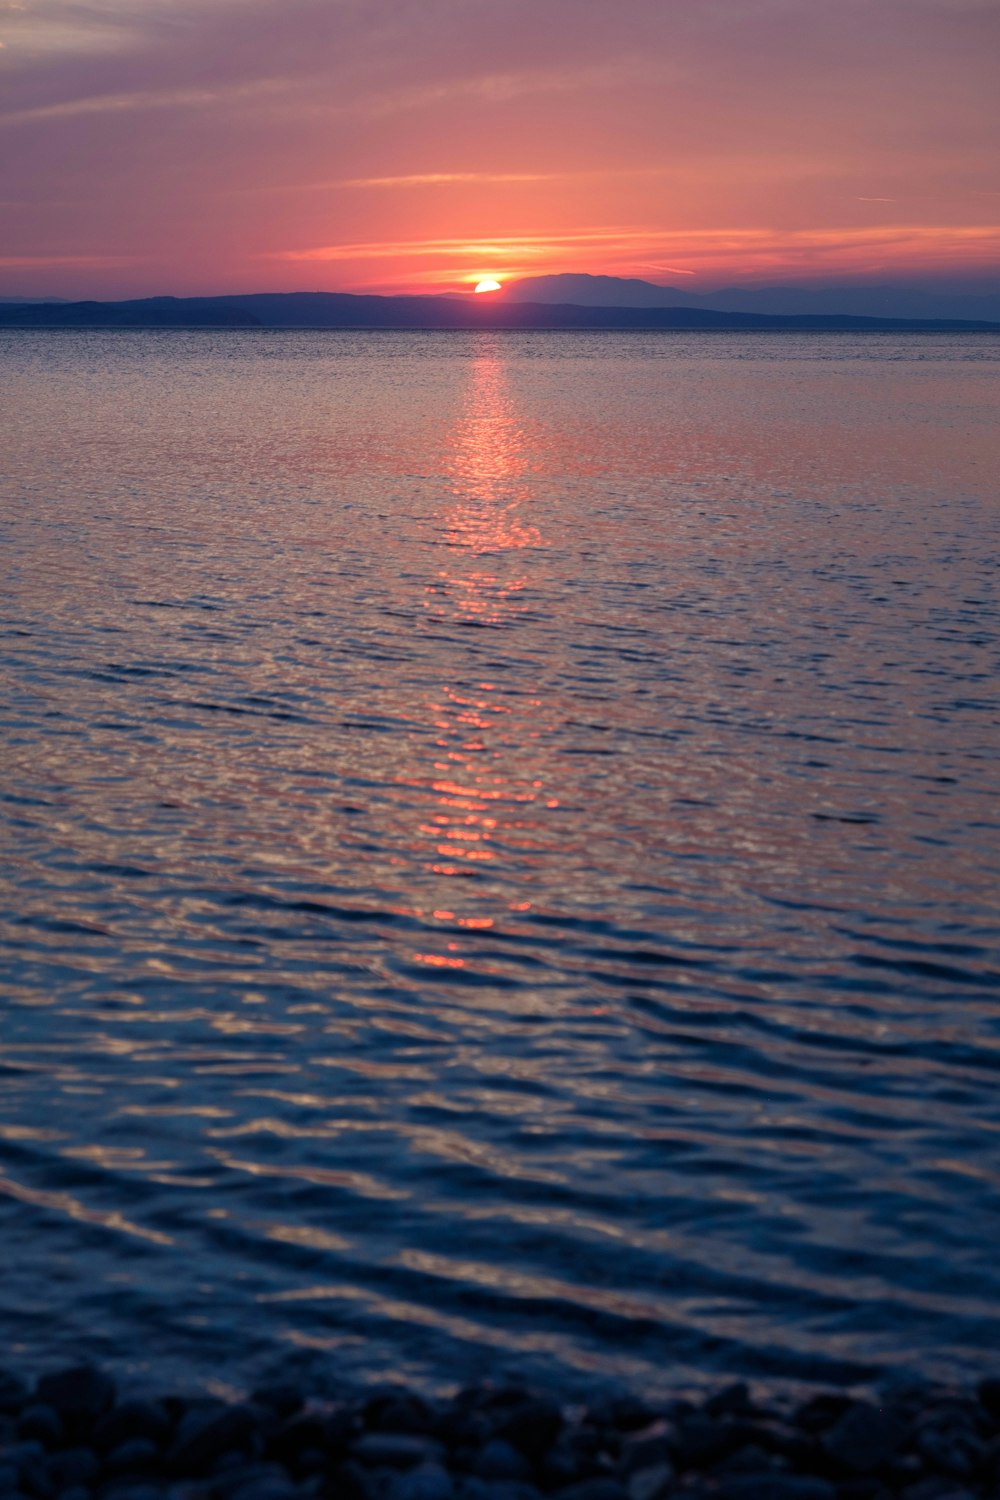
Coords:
502,855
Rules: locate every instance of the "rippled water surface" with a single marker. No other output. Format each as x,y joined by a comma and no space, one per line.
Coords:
501,854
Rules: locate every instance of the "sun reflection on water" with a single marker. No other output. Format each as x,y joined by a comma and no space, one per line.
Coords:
486,800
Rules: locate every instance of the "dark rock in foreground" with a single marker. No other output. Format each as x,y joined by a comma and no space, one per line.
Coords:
74,1436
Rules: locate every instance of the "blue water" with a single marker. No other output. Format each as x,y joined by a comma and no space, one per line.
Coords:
501,855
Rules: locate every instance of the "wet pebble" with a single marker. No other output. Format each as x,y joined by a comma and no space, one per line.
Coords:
81,1393
865,1437
395,1450
494,1443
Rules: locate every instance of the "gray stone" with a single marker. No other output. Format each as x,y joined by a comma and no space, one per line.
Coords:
395,1450
42,1424
74,1467
267,1489
241,1473
644,1449
560,1466
702,1441
532,1426
133,1419
988,1392
594,1489
732,1399
80,1393
283,1399
206,1435
428,1481
397,1411
821,1412
749,1460
472,1488
498,1459
13,1392
129,1490
651,1482
349,1481
957,1452
775,1487
936,1488
865,1437
136,1456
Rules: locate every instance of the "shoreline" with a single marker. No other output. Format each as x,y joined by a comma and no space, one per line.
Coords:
74,1434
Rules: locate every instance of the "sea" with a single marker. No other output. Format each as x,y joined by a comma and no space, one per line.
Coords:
501,866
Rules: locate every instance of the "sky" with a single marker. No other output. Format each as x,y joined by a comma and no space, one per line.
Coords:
211,146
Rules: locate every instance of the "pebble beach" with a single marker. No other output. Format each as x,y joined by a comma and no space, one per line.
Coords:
75,1434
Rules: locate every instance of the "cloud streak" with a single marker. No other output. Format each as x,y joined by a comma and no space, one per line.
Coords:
167,145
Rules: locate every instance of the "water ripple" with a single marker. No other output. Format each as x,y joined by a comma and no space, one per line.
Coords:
515,895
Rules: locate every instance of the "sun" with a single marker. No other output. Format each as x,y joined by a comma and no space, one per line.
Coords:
487,285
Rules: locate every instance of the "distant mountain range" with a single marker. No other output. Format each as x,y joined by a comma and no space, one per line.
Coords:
888,300
508,309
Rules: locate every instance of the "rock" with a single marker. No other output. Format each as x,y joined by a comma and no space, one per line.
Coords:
702,1441
594,1489
427,1481
135,1456
904,1469
134,1419
130,1490
988,1392
954,1413
237,1472
472,1488
462,1427
40,1424
395,1450
863,1489
775,1487
732,1400
936,1489
955,1451
656,1445
283,1399
81,1393
865,1437
749,1460
651,1482
73,1468
498,1459
13,1392
397,1411
340,1428
267,1489
532,1426
206,1435
310,1461
821,1412
349,1481
561,1466
8,1477
627,1413
301,1432
800,1449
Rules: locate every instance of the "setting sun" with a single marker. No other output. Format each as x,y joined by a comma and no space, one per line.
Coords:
487,285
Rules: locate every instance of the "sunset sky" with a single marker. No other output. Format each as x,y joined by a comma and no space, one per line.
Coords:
192,146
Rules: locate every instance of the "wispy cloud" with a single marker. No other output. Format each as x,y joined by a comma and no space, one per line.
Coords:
440,179
631,238
143,100
69,262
